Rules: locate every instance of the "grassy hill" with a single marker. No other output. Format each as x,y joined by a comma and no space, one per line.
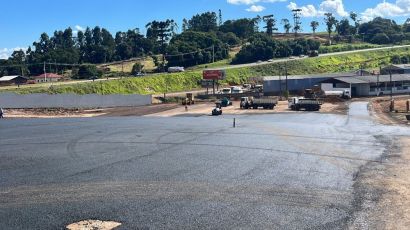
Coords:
191,79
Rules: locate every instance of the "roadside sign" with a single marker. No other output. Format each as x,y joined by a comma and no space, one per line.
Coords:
214,74
206,83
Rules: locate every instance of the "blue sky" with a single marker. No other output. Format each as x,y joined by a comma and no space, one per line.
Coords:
22,21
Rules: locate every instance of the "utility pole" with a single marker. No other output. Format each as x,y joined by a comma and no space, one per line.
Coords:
45,72
286,73
280,86
122,69
213,53
296,20
391,91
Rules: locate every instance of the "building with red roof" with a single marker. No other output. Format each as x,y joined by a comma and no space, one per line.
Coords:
48,77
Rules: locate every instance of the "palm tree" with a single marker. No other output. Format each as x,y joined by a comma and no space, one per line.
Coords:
286,25
314,25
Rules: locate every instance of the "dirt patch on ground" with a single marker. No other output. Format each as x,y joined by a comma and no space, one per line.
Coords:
380,107
61,113
163,110
93,225
382,190
201,109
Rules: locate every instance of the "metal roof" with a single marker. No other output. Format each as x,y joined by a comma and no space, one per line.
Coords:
300,77
373,79
398,66
9,78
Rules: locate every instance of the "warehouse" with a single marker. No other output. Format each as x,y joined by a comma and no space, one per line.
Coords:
297,84
12,80
373,85
396,69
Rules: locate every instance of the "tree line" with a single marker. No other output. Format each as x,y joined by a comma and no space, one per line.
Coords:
205,38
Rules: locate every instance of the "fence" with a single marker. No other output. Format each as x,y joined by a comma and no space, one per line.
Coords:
23,101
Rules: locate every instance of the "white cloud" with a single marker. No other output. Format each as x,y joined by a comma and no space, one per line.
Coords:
5,53
255,8
307,11
333,6
252,2
327,6
79,28
387,9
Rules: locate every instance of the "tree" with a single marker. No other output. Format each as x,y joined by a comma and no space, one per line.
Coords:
88,72
353,16
192,48
242,28
270,24
204,22
161,32
286,25
256,20
343,27
380,38
184,25
330,22
314,25
380,27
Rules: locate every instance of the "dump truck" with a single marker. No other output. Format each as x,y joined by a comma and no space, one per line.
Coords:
189,99
307,104
255,103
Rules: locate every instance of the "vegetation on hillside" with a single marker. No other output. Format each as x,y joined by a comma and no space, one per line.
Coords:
191,80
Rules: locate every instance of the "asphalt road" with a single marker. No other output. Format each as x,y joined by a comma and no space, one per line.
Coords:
292,171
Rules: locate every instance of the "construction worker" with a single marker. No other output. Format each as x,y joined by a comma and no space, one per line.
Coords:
1,113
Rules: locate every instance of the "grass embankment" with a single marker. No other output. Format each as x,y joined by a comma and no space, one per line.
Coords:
190,80
346,47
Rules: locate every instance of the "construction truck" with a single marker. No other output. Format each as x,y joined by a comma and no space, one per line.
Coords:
302,103
225,102
255,103
217,110
189,99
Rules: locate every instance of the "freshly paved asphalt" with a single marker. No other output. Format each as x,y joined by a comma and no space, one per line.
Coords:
277,171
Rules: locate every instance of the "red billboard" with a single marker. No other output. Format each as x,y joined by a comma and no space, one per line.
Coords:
214,74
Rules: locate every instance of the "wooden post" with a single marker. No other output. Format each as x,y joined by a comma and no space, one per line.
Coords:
407,105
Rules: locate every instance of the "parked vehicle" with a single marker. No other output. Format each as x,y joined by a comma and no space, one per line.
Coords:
307,104
345,93
236,89
255,103
246,87
226,91
139,74
176,69
189,99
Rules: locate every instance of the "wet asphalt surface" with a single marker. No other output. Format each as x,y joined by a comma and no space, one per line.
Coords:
281,171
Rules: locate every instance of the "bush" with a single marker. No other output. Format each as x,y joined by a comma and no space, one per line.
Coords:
88,72
381,38
263,47
137,68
